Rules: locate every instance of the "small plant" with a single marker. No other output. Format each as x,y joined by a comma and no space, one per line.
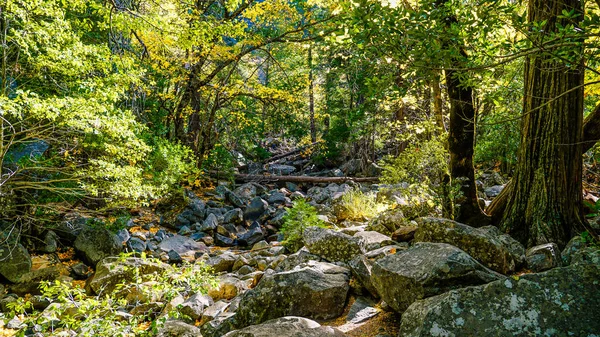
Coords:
297,219
71,309
356,205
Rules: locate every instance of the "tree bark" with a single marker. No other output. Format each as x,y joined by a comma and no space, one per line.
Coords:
461,135
544,203
311,95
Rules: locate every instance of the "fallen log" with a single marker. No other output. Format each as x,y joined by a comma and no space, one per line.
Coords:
300,179
281,156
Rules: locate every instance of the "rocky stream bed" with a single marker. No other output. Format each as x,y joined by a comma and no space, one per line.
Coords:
399,274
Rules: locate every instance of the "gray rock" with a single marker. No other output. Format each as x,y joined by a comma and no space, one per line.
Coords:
276,198
94,244
182,245
575,244
361,269
493,191
370,240
255,209
220,325
388,222
361,310
559,302
213,311
227,288
252,236
136,245
185,230
281,169
123,235
222,263
50,242
306,292
289,326
224,241
235,200
235,216
194,306
294,260
112,271
210,223
424,270
331,245
81,271
543,257
484,245
178,329
15,261
174,257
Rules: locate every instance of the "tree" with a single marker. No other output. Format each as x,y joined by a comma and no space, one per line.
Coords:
544,202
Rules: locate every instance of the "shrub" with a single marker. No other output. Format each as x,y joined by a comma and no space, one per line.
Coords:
72,310
356,205
298,218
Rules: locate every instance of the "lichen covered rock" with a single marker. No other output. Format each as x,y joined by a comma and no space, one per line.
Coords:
424,270
495,250
287,327
559,302
317,292
331,245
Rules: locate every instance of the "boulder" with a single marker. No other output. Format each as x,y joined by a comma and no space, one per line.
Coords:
493,191
281,170
209,224
404,233
424,270
255,209
482,244
183,245
370,240
575,244
543,257
15,261
136,245
388,222
94,244
113,271
227,288
50,243
289,326
235,216
194,306
178,329
252,236
559,302
219,326
222,263
294,260
317,292
331,245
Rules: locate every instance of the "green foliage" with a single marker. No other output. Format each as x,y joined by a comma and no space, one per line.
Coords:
170,164
298,218
71,309
356,205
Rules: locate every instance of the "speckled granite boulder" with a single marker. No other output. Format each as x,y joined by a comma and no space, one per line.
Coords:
424,270
331,245
559,302
489,246
388,222
317,292
290,326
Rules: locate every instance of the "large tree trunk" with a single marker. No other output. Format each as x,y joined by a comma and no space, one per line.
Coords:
591,129
544,202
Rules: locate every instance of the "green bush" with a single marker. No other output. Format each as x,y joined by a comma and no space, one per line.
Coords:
71,309
356,205
298,218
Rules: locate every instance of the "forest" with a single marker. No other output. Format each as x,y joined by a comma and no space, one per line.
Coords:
299,167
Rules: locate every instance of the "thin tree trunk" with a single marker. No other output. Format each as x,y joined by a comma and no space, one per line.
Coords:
461,136
311,95
544,203
437,104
